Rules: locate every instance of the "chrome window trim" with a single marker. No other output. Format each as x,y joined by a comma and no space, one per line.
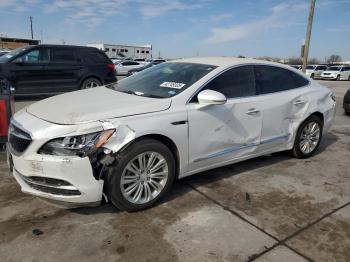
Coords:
256,95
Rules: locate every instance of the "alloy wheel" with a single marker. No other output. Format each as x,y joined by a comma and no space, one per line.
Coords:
310,137
91,84
144,177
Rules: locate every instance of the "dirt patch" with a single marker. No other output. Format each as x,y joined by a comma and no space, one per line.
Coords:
328,240
24,224
279,212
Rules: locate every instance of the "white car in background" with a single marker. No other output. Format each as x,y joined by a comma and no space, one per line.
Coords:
341,72
298,67
315,71
123,67
131,141
4,52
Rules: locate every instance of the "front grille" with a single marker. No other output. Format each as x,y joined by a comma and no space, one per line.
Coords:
19,140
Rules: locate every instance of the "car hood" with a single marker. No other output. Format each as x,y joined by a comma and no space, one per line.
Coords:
99,103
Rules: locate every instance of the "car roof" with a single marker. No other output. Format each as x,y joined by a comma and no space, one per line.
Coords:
227,61
61,46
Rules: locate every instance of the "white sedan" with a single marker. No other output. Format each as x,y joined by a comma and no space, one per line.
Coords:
341,72
130,142
122,68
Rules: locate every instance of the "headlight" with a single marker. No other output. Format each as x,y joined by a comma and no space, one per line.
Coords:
76,145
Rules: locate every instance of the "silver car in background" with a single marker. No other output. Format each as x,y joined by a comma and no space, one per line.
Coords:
315,71
341,72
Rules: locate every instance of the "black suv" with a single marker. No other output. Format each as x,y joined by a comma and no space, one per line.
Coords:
53,69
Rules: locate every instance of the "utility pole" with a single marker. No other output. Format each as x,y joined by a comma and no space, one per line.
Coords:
31,26
308,34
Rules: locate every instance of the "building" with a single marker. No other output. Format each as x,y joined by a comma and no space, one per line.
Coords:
112,51
13,43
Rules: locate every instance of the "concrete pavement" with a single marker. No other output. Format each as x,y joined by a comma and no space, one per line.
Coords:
273,208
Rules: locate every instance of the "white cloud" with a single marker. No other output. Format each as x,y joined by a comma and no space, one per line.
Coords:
161,7
341,28
220,17
88,12
280,16
93,12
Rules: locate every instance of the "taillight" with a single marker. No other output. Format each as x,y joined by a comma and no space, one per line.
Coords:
111,67
3,118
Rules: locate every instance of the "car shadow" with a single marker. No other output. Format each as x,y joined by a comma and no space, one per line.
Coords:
188,184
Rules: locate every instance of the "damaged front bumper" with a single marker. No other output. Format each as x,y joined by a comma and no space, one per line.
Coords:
65,179
69,180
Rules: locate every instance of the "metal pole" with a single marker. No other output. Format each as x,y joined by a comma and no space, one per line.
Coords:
308,33
31,26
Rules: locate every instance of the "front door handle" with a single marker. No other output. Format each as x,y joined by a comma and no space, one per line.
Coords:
253,111
299,102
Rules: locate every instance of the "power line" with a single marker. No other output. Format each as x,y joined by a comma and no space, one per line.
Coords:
31,26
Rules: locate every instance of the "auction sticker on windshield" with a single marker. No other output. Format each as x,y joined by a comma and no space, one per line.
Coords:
172,85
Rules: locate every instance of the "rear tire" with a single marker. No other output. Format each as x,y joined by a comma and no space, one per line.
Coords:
122,184
308,137
90,82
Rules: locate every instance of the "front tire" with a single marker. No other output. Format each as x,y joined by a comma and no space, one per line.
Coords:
141,175
338,78
312,76
308,137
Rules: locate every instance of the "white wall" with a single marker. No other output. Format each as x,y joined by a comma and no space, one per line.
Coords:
128,51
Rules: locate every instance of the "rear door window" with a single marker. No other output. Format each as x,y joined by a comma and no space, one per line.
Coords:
63,55
93,56
272,79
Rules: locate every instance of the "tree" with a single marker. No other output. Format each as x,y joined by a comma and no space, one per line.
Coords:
313,61
334,59
295,61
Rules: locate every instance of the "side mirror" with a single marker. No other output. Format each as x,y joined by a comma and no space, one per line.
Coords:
17,61
211,97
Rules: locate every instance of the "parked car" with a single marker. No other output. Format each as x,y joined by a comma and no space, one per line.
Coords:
170,121
298,67
315,71
139,69
117,60
346,102
3,52
53,69
341,72
156,61
123,67
139,59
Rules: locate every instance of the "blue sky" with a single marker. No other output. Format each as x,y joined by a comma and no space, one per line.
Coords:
179,28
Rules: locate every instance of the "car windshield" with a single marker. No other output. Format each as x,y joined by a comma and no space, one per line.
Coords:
6,57
334,68
164,80
310,67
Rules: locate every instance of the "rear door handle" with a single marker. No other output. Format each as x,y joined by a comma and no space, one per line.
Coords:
253,111
299,102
